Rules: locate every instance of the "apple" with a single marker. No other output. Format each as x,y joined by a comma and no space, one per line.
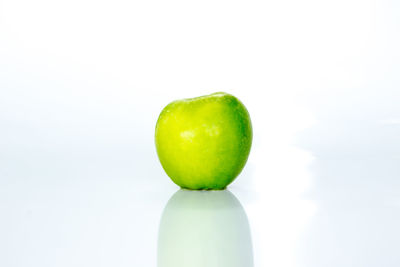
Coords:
204,142
204,228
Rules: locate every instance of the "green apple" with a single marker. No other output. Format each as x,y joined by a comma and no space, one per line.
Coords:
204,142
204,229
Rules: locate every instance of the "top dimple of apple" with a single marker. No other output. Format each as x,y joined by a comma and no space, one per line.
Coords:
204,142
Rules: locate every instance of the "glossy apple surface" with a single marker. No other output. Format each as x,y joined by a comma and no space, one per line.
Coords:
204,142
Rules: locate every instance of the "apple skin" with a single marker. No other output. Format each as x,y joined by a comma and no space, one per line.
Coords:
203,143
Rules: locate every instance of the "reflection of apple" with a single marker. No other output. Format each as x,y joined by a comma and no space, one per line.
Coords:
204,229
204,142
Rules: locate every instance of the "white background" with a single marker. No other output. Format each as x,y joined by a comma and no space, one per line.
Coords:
82,84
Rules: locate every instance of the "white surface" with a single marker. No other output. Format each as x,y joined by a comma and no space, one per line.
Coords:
82,84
